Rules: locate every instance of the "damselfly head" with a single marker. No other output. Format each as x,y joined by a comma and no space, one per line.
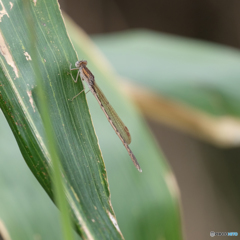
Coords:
82,63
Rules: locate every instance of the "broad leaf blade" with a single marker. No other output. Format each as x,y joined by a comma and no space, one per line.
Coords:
84,171
203,75
188,84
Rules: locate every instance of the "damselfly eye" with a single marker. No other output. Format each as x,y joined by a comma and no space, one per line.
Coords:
77,64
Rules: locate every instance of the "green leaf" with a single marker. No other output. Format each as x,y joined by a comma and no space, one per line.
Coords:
84,170
200,74
187,84
146,204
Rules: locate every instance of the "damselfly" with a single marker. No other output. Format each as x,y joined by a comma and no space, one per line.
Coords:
117,124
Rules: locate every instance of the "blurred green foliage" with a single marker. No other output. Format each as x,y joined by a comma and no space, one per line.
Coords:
203,75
